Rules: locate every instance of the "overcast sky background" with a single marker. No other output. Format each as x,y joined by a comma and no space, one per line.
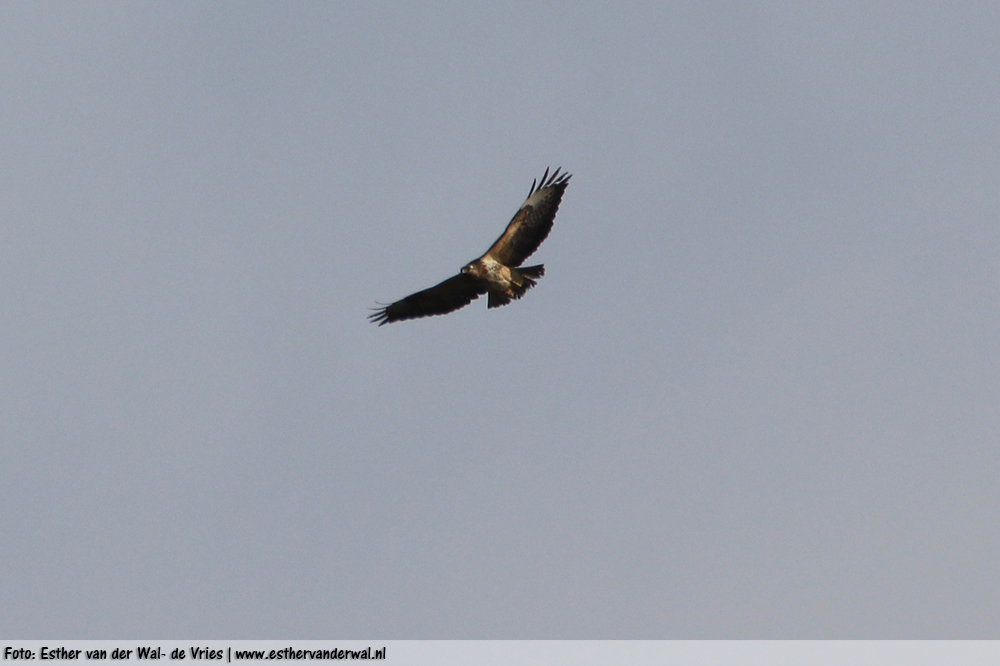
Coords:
756,395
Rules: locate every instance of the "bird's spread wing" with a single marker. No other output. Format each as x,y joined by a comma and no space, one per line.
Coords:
532,223
450,295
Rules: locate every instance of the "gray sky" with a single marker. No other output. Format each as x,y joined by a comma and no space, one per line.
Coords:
755,396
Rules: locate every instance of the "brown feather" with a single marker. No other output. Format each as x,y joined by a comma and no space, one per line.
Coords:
532,223
452,294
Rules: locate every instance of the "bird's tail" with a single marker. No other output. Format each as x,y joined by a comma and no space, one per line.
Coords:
532,271
527,276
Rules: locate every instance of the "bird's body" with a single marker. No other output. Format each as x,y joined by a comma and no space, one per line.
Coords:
498,272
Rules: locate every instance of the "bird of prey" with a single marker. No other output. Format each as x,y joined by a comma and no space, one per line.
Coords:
498,272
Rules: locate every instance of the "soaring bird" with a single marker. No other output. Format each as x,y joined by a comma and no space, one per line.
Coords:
498,272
